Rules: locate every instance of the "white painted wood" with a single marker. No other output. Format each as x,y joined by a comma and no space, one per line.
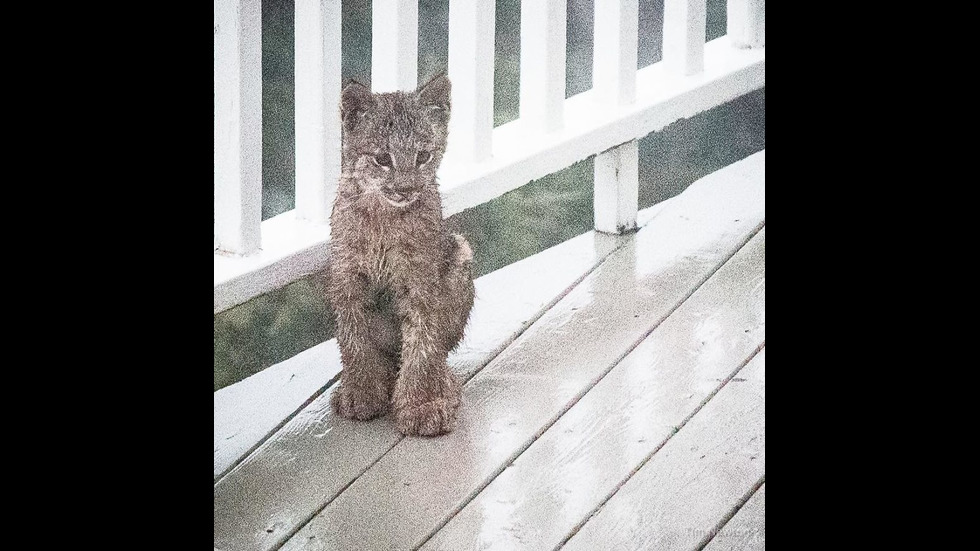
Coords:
291,250
317,91
684,33
747,529
471,58
249,411
686,491
316,455
542,93
747,23
246,412
617,188
614,51
555,485
394,45
414,488
237,125
662,98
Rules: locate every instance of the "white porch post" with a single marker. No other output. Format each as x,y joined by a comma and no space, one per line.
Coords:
684,32
394,45
616,192
471,52
616,186
237,125
747,23
614,51
543,64
318,67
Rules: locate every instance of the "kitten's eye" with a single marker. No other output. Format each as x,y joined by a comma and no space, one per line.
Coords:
422,158
382,160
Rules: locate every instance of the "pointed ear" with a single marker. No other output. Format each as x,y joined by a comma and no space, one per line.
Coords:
435,94
355,100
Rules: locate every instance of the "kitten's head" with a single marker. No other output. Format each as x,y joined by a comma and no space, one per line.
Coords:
393,143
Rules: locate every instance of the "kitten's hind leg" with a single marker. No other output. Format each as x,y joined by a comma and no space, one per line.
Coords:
459,291
383,325
462,253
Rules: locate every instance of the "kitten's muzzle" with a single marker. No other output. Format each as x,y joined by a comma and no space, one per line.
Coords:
400,198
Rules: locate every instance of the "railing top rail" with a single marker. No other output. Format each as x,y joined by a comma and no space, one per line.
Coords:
483,162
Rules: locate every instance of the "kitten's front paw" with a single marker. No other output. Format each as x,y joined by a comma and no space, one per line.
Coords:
428,418
356,404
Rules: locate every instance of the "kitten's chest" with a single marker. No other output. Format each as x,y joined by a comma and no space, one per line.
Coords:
388,251
385,261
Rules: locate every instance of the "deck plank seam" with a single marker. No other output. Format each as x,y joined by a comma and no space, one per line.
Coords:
592,385
650,456
527,325
289,535
544,309
711,534
276,429
654,211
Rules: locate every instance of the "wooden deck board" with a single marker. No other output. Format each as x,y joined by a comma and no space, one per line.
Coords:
694,483
555,485
250,411
247,412
417,486
325,483
747,529
315,455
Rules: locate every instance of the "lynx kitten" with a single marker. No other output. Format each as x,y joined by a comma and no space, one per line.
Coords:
401,284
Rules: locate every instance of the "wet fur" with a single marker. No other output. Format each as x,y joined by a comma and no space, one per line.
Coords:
400,283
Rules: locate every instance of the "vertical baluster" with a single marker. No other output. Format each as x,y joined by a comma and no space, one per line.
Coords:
614,51
543,64
747,23
318,84
237,125
616,192
616,186
471,51
394,45
684,28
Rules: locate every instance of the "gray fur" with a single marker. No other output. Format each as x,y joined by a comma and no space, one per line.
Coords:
401,284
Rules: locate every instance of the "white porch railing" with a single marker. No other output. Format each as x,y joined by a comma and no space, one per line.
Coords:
253,257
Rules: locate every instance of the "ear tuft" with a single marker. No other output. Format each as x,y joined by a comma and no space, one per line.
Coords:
435,94
355,100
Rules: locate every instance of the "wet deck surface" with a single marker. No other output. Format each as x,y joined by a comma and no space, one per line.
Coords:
614,399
